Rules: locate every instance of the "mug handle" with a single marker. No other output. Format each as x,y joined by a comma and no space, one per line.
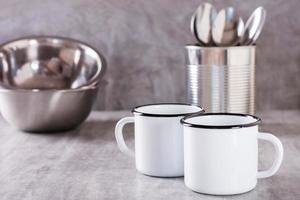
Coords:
119,135
278,154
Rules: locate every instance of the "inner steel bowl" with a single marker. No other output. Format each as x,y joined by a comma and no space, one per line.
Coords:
49,63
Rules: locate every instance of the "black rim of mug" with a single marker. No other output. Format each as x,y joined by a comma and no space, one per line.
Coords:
134,110
185,123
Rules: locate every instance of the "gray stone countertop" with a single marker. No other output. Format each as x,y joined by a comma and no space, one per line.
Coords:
86,164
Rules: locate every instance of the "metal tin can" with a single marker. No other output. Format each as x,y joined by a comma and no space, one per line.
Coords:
221,79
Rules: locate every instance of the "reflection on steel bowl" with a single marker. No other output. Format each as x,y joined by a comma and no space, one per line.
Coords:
49,63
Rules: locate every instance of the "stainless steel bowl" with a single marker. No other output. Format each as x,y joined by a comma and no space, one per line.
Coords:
49,63
46,110
48,83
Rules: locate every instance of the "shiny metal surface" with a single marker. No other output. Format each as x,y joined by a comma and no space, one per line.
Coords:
49,63
201,23
227,28
221,79
193,25
46,110
254,26
236,55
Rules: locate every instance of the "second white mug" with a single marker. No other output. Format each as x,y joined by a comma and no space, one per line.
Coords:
158,138
221,153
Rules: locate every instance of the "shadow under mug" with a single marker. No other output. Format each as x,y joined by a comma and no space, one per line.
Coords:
221,153
158,138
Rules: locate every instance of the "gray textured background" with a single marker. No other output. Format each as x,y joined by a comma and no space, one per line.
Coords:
143,43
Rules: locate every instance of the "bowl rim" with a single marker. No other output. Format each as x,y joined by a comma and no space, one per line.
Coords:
85,88
95,79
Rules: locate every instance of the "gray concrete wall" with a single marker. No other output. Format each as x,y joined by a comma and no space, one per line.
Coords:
143,43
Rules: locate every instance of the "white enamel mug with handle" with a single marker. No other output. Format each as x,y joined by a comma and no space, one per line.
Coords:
158,138
221,153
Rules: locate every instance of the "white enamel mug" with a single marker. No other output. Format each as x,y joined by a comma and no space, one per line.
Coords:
221,153
158,138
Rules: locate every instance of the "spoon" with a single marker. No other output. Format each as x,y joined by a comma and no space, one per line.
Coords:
228,28
201,23
254,26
